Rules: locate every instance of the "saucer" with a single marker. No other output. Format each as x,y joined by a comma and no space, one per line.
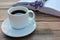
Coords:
9,31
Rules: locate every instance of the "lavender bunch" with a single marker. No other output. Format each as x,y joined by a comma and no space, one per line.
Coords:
36,4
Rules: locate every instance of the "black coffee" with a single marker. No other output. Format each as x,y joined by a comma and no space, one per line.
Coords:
17,12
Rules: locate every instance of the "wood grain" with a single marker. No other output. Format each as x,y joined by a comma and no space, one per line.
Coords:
8,0
48,27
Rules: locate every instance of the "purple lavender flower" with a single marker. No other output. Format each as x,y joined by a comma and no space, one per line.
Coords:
37,4
40,4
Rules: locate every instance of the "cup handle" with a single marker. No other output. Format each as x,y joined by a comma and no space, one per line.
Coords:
31,15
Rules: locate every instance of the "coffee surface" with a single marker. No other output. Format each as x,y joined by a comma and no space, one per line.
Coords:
18,12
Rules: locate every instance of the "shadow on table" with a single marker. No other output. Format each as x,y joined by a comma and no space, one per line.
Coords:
36,33
19,38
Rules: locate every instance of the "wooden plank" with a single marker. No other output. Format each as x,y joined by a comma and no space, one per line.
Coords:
6,5
40,17
31,37
48,27
41,33
3,14
45,17
54,26
0,26
8,0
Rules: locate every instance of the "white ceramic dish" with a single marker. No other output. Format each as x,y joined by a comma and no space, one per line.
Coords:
9,31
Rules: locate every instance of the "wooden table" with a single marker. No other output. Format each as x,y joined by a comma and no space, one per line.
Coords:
48,27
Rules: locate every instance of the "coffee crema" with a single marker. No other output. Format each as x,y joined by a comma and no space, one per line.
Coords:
18,12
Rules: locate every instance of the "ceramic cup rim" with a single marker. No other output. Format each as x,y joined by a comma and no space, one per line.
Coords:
18,7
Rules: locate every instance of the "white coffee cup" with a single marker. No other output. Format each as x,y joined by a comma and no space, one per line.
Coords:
21,20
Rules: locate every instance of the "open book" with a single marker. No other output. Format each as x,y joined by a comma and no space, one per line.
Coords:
50,7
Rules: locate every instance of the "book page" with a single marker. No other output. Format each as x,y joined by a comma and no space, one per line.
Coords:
54,4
